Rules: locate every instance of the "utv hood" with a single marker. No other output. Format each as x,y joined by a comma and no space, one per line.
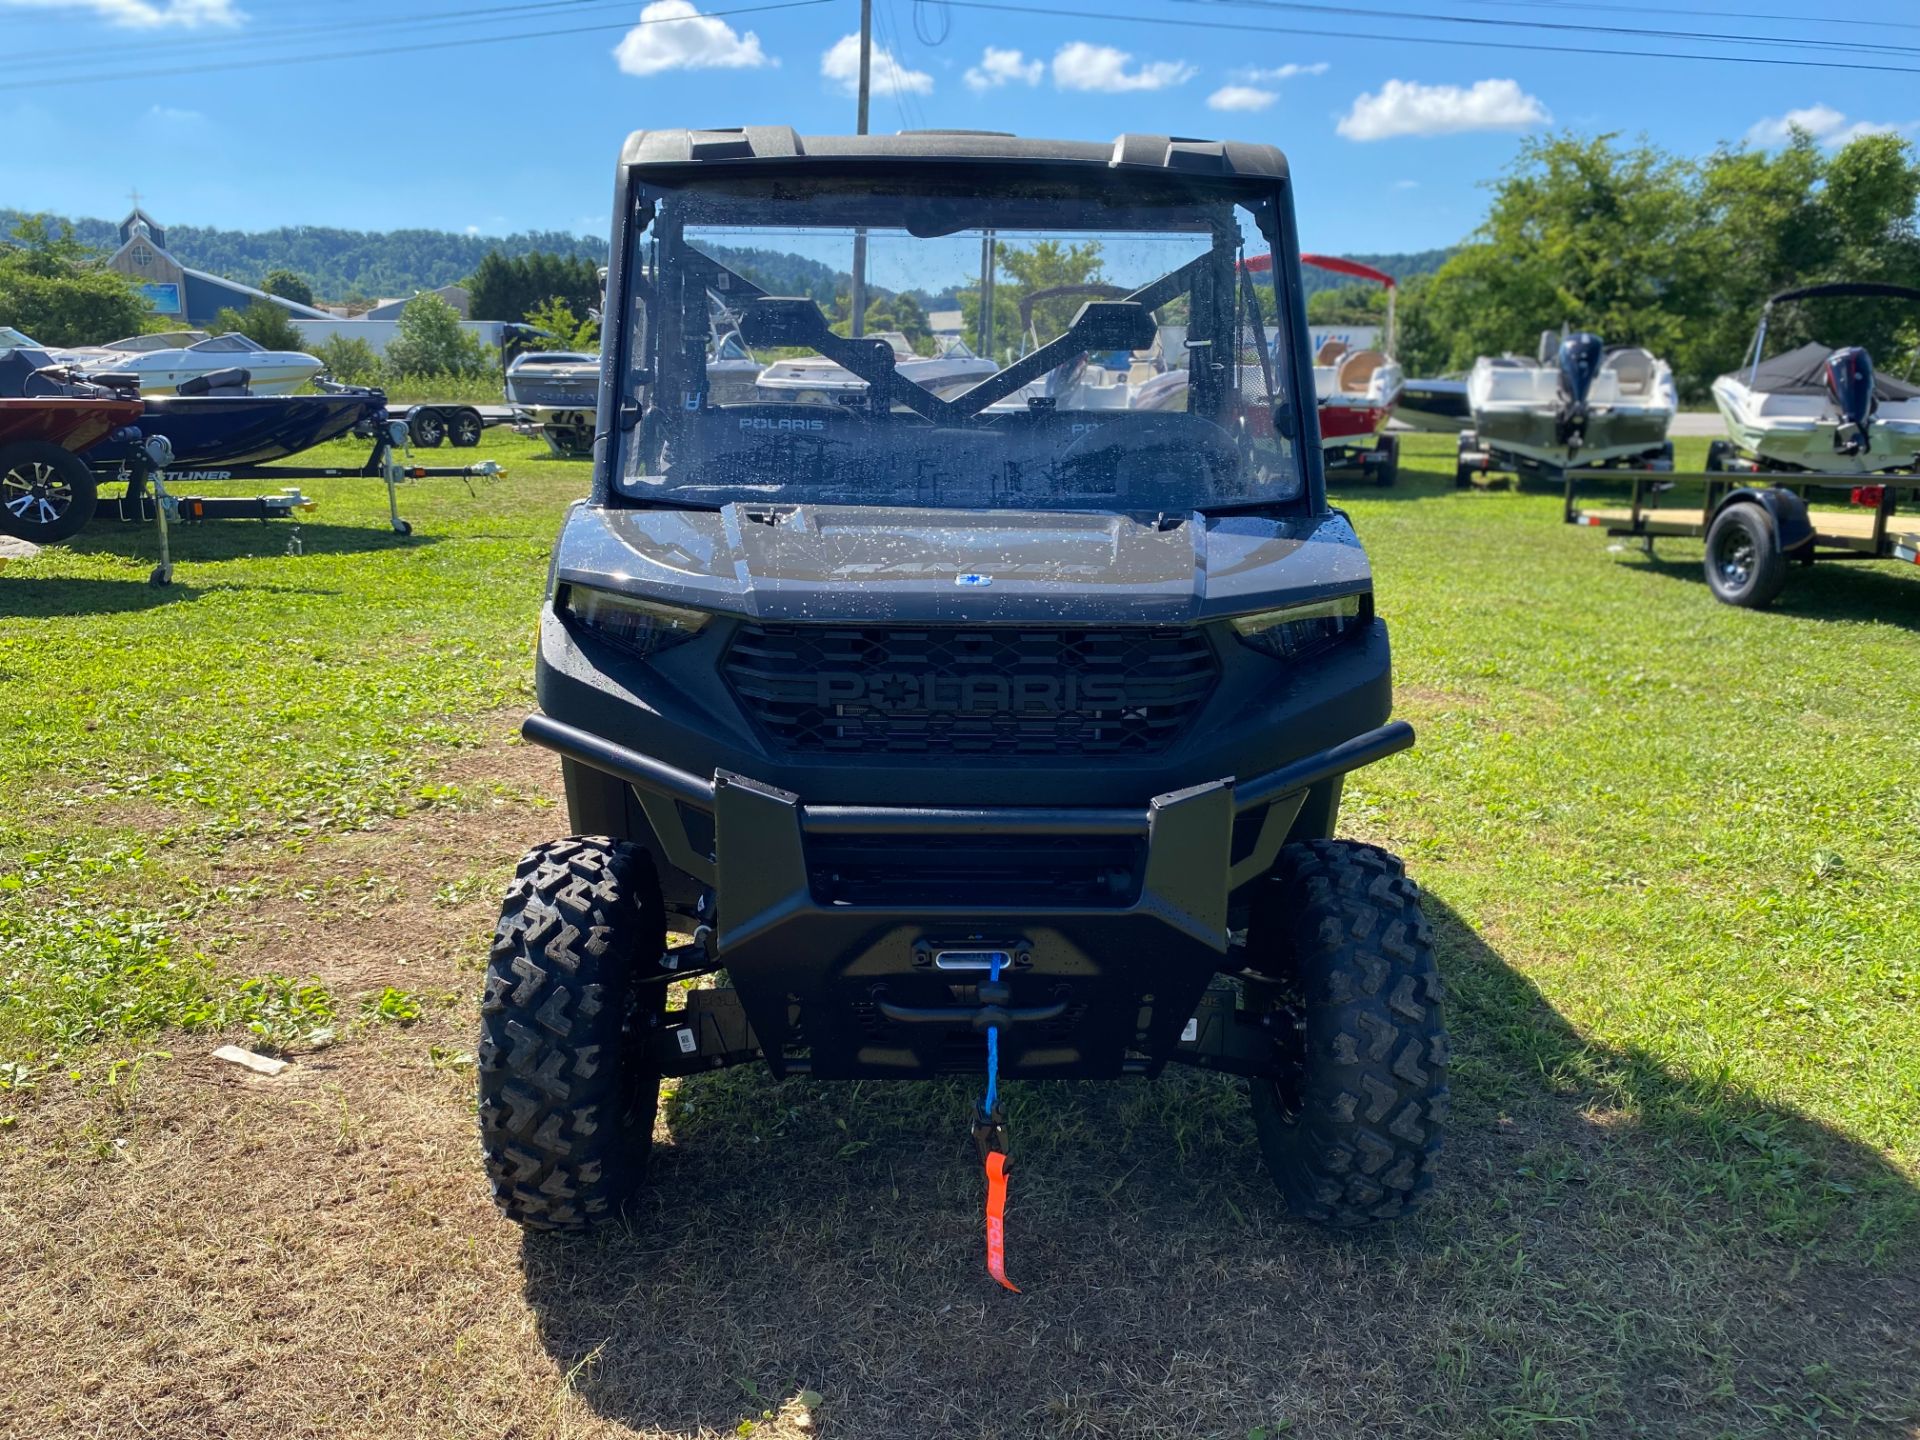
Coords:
828,563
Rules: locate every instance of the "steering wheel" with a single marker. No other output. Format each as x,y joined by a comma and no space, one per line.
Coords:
1164,445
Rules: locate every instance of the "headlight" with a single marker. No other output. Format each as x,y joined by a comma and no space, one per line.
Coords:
638,626
1293,631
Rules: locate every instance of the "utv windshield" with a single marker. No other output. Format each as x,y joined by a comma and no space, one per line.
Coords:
1110,345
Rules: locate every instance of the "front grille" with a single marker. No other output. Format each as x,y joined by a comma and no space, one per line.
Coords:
1044,871
953,690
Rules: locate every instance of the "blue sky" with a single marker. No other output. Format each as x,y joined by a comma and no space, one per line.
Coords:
1389,139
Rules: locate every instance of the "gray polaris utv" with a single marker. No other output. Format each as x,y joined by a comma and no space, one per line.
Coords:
966,708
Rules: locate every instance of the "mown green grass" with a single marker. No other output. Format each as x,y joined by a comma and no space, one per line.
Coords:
1668,847
264,693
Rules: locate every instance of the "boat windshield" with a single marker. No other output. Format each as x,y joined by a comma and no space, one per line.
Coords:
12,339
231,343
165,340
1123,346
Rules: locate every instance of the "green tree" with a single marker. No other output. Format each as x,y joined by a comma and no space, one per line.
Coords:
53,288
556,317
288,286
348,359
506,287
430,341
1585,233
1021,270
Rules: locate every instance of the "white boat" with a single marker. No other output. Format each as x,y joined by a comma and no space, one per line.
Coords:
1579,404
1820,409
162,361
556,379
1438,405
816,380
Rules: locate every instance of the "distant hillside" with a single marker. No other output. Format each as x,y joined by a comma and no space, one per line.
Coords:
1401,267
340,264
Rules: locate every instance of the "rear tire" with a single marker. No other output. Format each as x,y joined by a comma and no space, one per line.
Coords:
568,1089
464,428
47,494
427,429
1744,563
1387,471
1351,1122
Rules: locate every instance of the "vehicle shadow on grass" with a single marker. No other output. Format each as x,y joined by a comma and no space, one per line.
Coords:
1613,1248
242,540
1871,591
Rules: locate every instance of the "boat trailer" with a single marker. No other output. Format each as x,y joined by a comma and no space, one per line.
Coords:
1755,520
148,477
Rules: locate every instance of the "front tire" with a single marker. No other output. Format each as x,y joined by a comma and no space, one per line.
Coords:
47,494
568,1089
428,429
1387,470
1350,1123
1744,563
464,428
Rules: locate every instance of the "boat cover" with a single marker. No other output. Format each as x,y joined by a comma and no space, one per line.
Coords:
1802,372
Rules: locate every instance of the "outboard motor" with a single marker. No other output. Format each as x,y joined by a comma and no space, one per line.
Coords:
1580,356
1849,377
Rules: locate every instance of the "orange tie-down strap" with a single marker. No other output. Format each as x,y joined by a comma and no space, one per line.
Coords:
997,1219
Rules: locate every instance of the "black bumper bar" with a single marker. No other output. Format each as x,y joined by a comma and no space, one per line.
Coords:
647,774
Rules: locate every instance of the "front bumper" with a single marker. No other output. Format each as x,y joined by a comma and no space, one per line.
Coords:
835,922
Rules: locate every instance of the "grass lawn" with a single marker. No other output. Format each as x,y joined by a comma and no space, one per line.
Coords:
1669,850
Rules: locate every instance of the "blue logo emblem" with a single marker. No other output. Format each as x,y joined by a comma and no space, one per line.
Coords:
973,580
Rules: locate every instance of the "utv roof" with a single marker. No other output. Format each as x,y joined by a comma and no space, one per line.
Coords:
780,145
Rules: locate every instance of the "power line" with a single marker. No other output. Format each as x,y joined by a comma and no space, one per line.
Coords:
384,50
1637,32
1476,44
1771,15
275,37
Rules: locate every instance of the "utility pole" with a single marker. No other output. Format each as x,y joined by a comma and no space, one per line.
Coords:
859,296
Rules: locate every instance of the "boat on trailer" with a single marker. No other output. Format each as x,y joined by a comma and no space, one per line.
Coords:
1356,390
1579,405
1816,408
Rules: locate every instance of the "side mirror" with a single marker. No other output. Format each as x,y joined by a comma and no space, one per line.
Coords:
773,322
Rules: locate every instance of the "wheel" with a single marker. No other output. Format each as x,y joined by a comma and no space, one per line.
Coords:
1718,452
403,527
46,493
1463,476
464,429
567,1088
428,428
160,576
1744,563
1387,467
1349,1123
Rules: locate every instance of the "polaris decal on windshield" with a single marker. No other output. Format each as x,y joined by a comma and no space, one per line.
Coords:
762,422
973,580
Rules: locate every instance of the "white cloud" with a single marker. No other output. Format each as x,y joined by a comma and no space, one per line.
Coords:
674,35
1255,76
1825,124
1240,97
1004,67
1406,107
147,14
168,115
1080,66
1406,184
841,65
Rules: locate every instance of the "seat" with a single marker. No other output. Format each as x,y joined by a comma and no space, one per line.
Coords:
1330,352
1356,371
1632,371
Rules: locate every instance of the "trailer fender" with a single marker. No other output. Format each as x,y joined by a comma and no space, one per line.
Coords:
1789,512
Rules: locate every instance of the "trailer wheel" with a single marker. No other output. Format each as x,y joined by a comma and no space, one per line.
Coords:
464,427
1744,563
428,428
46,494
1349,1122
1387,468
568,1090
